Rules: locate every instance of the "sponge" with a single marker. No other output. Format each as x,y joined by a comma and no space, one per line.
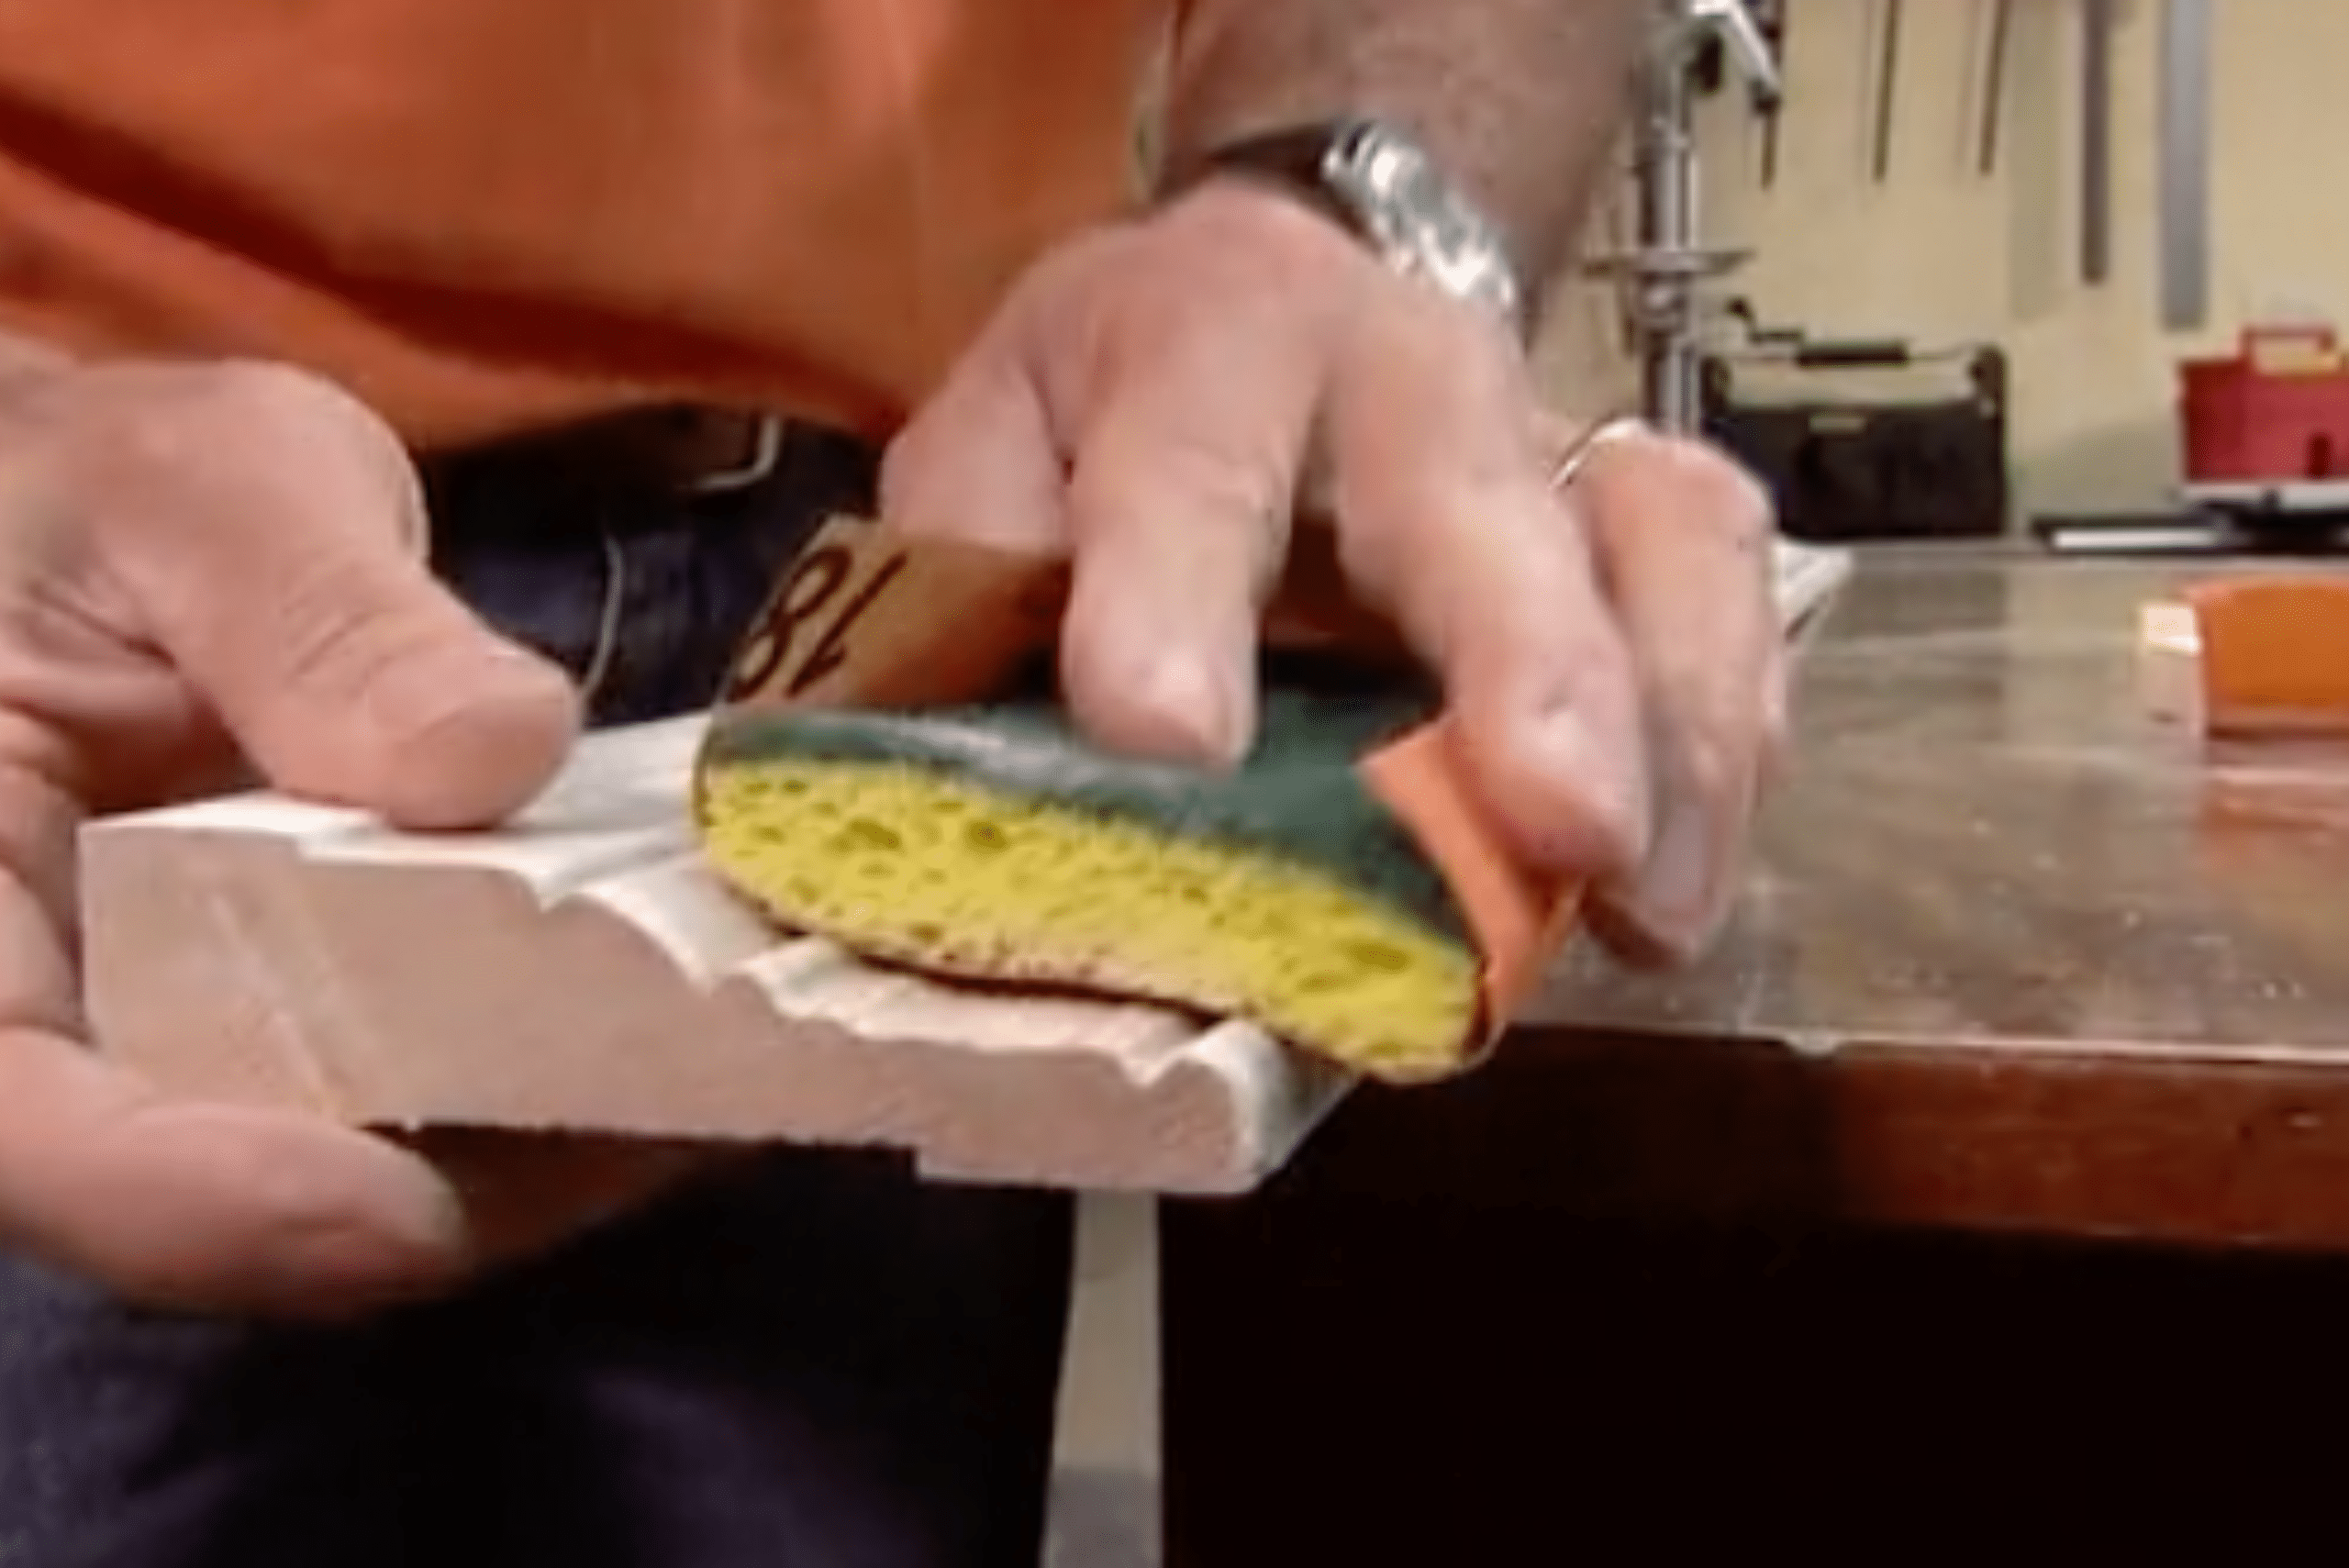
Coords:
989,841
889,765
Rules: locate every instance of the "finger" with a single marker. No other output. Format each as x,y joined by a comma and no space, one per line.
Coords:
525,1192
210,1208
179,1206
272,540
1179,506
1684,538
978,461
1448,521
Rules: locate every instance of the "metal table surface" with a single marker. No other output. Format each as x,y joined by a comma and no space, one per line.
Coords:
1983,842
2011,954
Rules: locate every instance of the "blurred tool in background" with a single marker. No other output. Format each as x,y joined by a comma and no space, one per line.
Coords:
1887,81
1769,111
1993,85
2183,154
1864,437
2098,18
1667,265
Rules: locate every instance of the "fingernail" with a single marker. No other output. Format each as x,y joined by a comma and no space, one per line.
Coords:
1608,831
418,695
475,732
371,1265
1201,707
1674,893
413,1250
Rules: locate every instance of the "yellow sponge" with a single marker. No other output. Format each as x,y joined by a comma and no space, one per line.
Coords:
990,842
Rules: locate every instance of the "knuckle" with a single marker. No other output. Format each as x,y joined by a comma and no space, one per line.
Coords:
1068,267
253,389
1262,242
1171,470
1719,492
328,621
222,430
905,491
187,409
1691,485
1232,478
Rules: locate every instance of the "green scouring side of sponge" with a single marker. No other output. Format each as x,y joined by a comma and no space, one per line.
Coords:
993,842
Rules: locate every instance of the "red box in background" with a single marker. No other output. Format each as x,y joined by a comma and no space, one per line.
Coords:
2276,410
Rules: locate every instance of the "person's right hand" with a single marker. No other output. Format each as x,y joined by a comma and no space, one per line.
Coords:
204,567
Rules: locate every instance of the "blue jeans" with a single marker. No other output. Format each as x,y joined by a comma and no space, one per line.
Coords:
809,1359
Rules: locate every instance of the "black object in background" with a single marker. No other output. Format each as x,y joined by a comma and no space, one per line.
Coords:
1847,468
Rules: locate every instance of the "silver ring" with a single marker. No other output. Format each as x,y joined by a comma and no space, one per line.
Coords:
1622,427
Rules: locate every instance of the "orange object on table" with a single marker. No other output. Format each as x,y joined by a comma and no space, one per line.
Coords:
2253,655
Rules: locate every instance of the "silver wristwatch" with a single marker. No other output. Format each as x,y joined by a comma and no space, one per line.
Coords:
1388,190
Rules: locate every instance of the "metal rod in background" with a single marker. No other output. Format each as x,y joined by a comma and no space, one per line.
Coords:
1667,232
2097,19
1770,103
1993,85
1887,76
1748,42
1666,267
1674,263
2184,153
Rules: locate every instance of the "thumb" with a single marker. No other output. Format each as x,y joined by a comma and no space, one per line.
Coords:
365,681
279,567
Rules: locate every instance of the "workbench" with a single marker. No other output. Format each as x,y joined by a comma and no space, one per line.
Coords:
1997,1151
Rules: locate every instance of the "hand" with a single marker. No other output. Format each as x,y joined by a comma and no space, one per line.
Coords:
1161,399
202,566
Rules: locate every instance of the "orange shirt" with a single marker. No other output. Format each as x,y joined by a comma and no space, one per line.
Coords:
485,215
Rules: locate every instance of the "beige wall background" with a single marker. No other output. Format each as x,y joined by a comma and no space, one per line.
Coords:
1939,253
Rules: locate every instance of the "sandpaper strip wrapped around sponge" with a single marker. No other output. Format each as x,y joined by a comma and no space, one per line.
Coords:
888,771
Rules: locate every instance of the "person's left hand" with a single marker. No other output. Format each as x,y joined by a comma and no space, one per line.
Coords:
1155,397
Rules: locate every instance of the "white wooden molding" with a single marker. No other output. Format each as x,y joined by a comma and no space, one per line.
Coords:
578,968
